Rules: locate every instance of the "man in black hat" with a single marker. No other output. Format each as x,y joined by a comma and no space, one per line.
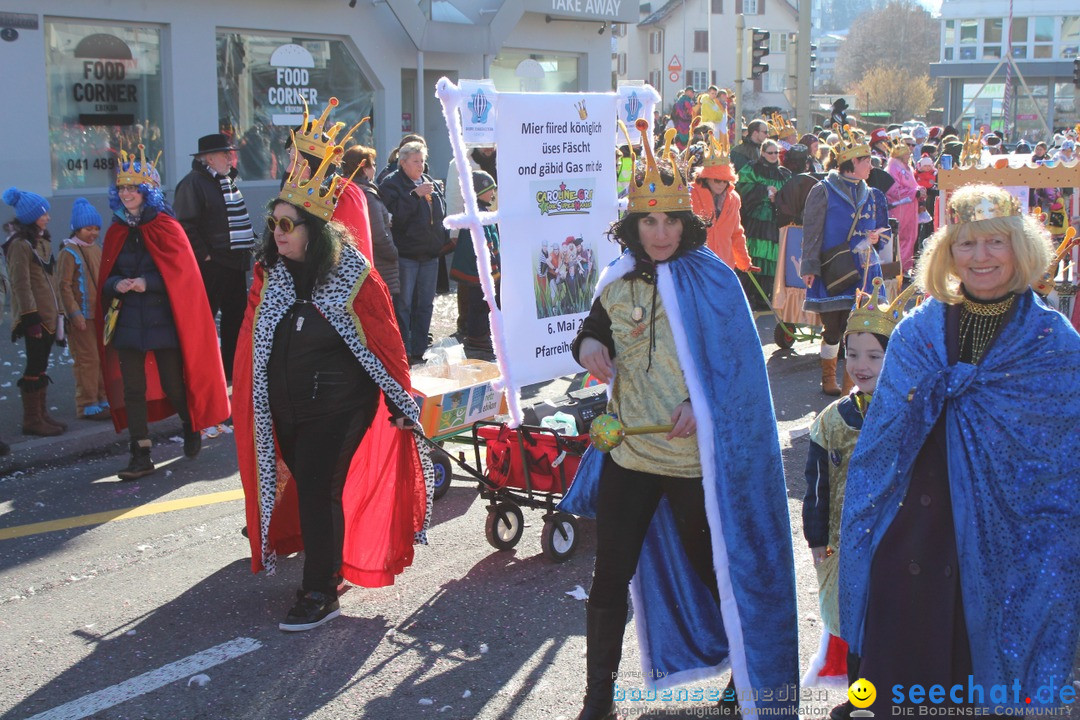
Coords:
210,207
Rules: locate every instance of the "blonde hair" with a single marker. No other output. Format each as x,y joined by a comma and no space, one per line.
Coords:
936,272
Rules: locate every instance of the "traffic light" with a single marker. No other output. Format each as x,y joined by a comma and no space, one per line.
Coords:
1076,72
758,50
813,57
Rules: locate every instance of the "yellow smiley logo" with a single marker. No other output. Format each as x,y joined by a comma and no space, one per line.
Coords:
862,693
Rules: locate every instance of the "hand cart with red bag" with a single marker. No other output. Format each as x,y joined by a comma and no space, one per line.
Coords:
528,466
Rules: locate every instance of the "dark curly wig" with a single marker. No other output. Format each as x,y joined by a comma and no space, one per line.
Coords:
325,243
625,230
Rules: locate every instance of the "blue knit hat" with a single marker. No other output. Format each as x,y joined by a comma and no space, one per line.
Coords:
28,206
83,214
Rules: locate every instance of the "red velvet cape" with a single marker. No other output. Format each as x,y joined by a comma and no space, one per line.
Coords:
204,377
352,212
385,496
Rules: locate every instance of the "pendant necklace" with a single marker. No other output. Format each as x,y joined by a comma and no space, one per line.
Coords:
637,314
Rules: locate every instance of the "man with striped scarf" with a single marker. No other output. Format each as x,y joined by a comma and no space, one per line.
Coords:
212,210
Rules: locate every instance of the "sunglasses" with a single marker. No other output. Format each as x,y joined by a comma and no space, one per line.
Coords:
287,224
770,152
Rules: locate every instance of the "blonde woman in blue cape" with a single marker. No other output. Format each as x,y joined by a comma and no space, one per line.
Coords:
697,517
960,537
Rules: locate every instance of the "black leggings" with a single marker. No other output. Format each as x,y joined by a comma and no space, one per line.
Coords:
318,452
37,353
170,365
625,505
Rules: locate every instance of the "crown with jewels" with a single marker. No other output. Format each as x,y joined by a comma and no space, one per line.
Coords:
898,147
652,194
1046,284
316,195
852,144
132,171
972,152
315,138
870,316
966,207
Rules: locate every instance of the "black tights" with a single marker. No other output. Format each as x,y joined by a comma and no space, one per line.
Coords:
625,506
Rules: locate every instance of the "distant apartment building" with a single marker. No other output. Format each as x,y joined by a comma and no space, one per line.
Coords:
1044,38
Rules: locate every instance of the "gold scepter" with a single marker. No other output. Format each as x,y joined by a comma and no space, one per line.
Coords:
607,432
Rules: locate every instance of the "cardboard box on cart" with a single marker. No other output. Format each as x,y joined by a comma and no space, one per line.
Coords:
452,397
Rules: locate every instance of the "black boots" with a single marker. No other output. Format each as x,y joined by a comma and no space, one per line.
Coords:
140,465
192,441
603,637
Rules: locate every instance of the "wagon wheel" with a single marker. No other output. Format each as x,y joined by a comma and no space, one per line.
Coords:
443,473
559,538
782,337
504,525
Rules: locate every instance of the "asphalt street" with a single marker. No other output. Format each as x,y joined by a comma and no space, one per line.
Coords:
137,601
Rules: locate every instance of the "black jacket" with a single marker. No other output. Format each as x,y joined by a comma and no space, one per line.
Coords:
417,225
382,242
146,319
200,208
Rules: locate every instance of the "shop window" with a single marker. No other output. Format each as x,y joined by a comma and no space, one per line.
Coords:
1044,29
992,30
105,93
263,81
1070,37
1019,30
560,72
992,52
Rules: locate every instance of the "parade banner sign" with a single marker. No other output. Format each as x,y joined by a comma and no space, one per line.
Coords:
557,198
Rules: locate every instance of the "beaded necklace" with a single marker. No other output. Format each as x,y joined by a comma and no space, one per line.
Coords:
979,323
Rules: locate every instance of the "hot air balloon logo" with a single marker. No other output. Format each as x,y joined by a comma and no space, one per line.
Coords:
480,107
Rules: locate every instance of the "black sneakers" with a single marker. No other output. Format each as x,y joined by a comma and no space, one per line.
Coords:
140,465
311,610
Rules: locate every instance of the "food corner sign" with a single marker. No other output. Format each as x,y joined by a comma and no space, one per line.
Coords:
611,10
291,84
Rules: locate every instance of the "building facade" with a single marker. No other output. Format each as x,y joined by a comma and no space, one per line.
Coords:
693,42
1043,40
85,79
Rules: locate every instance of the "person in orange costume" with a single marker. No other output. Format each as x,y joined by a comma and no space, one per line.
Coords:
713,197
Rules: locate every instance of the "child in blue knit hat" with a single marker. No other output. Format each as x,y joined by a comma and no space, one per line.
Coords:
77,269
35,310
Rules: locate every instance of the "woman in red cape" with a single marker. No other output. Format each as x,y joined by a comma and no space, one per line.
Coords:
319,365
161,359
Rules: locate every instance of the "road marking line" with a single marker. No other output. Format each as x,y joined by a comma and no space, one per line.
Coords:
150,681
119,514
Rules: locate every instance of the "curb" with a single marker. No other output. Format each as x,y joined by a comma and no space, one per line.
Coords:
98,439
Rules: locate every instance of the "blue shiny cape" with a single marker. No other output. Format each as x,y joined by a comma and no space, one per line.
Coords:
683,635
1013,424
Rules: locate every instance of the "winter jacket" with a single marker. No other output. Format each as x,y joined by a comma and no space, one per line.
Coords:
383,248
30,271
77,270
417,225
146,319
726,237
200,207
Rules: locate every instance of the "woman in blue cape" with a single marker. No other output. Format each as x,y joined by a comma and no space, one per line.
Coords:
960,560
697,517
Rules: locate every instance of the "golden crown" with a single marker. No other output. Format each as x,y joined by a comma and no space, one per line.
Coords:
975,202
898,147
316,195
717,151
869,316
1046,283
852,144
315,138
145,173
651,194
781,127
972,152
